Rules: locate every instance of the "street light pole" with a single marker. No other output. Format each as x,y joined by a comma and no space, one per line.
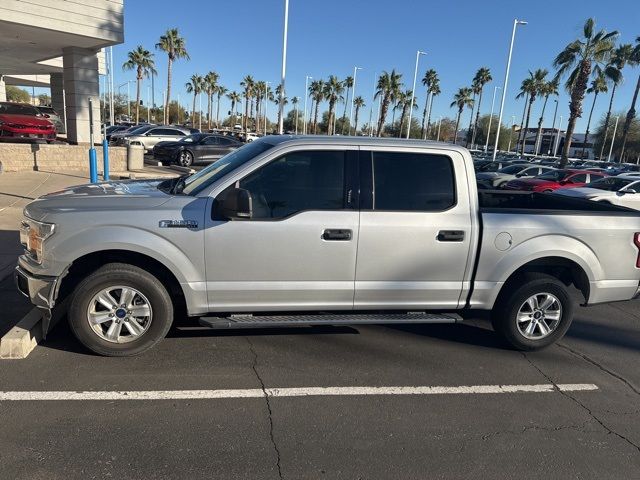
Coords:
111,113
353,95
284,68
306,97
493,101
555,146
266,104
552,126
413,90
613,139
516,22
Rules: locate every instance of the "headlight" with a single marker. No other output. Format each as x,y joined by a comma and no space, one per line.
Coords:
32,236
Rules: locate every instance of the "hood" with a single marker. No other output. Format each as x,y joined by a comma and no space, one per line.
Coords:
125,195
169,144
29,120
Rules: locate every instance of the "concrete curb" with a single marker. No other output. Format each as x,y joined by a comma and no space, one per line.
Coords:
20,341
178,168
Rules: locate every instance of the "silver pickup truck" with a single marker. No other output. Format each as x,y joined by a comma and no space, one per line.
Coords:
320,230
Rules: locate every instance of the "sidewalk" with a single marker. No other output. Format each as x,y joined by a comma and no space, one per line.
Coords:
16,191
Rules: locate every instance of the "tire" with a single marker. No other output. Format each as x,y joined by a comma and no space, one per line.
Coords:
185,158
137,333
514,302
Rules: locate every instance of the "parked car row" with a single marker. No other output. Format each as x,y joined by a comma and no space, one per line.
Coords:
148,135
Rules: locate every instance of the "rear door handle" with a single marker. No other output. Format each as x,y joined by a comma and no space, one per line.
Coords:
451,236
339,235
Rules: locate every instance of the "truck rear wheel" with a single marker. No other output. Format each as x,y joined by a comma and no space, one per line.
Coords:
535,311
120,310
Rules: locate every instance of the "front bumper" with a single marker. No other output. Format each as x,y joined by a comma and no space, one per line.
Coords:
40,290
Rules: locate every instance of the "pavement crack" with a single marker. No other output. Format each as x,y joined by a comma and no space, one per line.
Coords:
580,404
590,360
254,367
528,428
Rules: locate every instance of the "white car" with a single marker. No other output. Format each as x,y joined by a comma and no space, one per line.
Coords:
250,137
623,190
500,178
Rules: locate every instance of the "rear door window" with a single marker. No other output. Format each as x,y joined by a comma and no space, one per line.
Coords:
412,182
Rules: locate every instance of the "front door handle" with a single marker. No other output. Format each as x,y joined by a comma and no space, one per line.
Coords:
339,235
451,236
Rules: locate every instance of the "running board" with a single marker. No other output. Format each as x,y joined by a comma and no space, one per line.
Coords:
251,321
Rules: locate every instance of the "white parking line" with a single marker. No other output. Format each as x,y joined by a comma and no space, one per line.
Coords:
291,392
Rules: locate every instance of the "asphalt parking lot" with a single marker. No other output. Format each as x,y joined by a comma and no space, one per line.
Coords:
213,407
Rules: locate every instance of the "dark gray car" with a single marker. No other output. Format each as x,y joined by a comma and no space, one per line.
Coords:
196,148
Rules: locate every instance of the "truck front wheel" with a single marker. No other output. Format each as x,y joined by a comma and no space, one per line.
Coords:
533,312
120,310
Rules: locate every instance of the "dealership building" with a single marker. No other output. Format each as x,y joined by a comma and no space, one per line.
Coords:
58,44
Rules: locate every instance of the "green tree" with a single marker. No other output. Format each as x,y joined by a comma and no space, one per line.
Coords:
613,71
175,47
358,103
598,86
194,85
430,81
44,99
294,102
388,86
210,84
547,89
631,114
461,100
578,60
404,103
140,60
333,89
348,83
15,94
235,98
248,83
482,77
316,90
531,87
220,92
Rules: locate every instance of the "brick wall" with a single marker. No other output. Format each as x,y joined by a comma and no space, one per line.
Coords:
17,157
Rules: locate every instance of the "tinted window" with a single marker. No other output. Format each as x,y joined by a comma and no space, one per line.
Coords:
211,141
612,184
18,109
226,141
297,182
580,178
512,169
166,131
554,175
412,181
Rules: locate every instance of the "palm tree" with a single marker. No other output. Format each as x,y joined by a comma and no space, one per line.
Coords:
280,95
404,102
175,47
294,102
220,91
358,103
483,76
348,83
141,60
210,84
578,60
435,91
430,78
333,89
248,83
235,99
531,86
631,114
195,86
613,71
546,90
598,85
461,100
388,86
316,89
260,88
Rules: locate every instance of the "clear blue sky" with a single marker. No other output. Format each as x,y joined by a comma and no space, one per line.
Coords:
331,37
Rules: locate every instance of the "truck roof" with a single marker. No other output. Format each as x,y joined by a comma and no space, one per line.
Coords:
363,141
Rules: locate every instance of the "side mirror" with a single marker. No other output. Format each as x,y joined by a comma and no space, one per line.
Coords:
237,205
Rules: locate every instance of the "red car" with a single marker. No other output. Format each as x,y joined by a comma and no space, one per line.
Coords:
21,121
555,180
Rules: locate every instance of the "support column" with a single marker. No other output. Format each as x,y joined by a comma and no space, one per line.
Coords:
3,90
81,82
57,96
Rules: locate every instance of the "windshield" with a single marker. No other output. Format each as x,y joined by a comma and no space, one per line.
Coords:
139,129
512,169
610,184
18,109
555,175
196,183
